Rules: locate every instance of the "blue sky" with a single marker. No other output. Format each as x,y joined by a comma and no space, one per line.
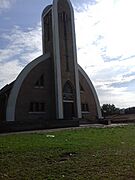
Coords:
105,43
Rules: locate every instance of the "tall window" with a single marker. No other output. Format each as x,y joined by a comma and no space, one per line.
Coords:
81,88
65,21
63,24
40,82
68,93
85,107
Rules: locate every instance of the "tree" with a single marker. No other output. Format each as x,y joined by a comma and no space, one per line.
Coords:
109,109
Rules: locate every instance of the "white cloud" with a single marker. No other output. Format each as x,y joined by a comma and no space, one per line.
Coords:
22,47
8,71
105,42
5,4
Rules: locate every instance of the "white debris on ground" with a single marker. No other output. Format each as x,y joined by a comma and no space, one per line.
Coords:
50,136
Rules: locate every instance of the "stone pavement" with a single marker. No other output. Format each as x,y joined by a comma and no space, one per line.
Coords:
69,128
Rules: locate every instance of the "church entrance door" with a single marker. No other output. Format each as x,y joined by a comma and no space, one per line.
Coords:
68,101
68,110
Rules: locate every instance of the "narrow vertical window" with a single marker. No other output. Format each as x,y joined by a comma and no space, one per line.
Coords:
81,88
31,107
64,18
40,82
87,107
36,107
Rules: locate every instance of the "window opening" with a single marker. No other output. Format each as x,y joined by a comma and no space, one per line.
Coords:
40,82
64,17
84,107
81,88
68,93
37,107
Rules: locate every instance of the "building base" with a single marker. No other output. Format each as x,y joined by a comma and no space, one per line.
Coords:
16,126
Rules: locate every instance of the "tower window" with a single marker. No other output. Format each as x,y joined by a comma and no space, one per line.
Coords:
64,18
48,26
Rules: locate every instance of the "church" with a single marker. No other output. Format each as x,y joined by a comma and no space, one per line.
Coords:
52,91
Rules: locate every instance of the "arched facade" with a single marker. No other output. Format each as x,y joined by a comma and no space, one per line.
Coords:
29,89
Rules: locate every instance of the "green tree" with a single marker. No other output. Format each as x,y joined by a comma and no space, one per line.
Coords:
109,109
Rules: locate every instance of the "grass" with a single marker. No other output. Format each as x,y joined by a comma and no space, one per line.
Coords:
93,154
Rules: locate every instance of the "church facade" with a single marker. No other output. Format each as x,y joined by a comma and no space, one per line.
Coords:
52,90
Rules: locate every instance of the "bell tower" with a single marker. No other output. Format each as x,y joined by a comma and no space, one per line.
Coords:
65,59
59,39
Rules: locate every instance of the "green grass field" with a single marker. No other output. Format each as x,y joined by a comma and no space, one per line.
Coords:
89,153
